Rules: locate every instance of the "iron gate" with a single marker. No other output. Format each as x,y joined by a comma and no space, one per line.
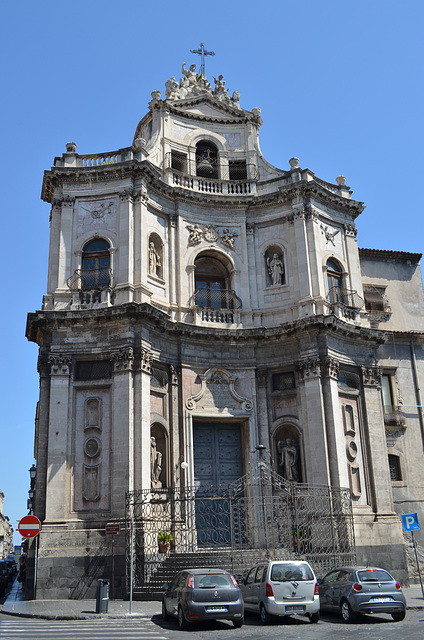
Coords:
260,516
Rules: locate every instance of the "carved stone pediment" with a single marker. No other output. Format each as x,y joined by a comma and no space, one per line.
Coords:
218,393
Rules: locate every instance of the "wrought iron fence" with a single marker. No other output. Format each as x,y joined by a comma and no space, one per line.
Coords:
261,516
345,297
216,299
91,279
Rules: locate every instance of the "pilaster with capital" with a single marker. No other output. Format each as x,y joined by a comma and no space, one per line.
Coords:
57,505
312,418
298,219
262,404
142,419
125,257
378,458
123,427
333,419
175,428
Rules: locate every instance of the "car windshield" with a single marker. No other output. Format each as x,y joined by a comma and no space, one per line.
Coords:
212,581
284,572
374,575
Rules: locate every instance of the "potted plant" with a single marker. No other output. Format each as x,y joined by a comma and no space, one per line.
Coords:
299,535
164,540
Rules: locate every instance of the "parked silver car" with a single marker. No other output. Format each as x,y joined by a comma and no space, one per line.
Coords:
195,595
351,591
281,588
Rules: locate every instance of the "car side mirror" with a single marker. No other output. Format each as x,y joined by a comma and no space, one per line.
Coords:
165,586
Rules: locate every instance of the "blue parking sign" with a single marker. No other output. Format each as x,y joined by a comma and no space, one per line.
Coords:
410,522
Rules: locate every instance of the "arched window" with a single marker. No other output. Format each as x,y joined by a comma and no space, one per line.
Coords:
96,264
211,282
335,281
206,160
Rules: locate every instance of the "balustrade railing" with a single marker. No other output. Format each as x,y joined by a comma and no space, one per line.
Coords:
91,280
345,297
232,178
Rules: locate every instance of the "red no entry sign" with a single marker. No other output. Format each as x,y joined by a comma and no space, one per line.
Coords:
29,526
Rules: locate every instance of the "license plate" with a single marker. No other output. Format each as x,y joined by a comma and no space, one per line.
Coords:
216,609
295,609
381,599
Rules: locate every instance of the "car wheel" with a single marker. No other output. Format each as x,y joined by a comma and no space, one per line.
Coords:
398,617
265,617
182,622
314,617
346,610
165,614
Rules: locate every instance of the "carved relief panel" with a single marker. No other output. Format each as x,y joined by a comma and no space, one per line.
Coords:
91,453
350,417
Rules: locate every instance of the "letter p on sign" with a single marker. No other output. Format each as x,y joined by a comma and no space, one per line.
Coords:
410,522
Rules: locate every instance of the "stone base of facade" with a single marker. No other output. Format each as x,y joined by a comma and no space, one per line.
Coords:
71,562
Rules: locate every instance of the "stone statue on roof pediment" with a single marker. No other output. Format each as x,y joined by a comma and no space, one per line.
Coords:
192,84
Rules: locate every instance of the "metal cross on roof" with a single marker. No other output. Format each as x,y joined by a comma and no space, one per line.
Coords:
202,53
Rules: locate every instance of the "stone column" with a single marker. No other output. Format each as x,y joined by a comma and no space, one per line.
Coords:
316,467
122,431
58,487
377,447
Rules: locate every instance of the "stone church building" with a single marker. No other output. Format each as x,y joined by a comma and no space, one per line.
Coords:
209,319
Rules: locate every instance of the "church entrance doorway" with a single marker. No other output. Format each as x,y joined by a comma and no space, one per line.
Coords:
217,463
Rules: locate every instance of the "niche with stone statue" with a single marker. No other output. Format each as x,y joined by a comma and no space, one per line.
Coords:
157,457
287,453
155,256
274,267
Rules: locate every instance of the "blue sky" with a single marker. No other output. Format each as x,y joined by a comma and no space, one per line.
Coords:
340,85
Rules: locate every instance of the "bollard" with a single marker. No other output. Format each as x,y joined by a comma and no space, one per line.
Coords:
102,596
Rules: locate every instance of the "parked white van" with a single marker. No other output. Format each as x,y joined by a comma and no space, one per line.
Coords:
281,588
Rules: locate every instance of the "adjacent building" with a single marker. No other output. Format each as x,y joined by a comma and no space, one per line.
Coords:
208,320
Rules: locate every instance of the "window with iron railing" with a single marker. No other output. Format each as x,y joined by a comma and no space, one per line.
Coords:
395,468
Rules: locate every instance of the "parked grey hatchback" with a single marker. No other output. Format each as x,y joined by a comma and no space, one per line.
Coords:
281,588
351,591
195,595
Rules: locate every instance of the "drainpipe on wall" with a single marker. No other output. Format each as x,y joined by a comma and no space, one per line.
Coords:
417,390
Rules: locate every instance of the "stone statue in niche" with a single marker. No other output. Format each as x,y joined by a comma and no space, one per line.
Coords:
288,456
155,464
275,269
154,259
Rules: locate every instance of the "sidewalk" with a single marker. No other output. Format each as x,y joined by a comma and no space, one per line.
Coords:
15,605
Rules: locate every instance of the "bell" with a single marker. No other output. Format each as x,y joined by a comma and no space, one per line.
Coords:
204,166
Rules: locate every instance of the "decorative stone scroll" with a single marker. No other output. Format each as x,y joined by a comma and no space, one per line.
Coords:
371,376
210,233
60,365
146,361
122,359
218,392
330,367
309,368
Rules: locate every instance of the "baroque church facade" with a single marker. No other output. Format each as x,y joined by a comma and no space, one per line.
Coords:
206,313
